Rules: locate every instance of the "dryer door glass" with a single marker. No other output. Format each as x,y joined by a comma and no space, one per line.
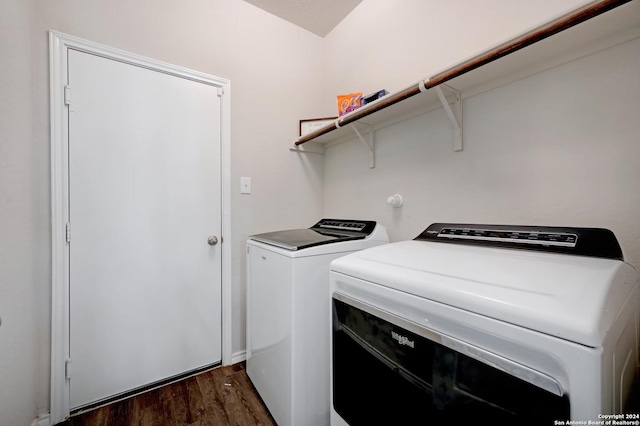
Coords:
385,374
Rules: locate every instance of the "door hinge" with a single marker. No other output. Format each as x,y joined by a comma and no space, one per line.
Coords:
220,91
67,95
67,368
68,232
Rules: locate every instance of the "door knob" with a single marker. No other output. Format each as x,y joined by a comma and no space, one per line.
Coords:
212,240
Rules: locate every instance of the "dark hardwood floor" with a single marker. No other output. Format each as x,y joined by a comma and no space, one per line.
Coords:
217,397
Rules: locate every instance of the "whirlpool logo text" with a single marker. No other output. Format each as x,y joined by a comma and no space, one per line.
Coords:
403,340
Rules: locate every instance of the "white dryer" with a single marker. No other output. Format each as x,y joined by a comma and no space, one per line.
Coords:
288,314
497,324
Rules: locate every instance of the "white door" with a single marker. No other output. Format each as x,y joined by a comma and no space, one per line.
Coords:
144,196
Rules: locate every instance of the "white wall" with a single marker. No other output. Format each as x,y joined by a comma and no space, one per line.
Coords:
392,44
274,69
20,233
557,148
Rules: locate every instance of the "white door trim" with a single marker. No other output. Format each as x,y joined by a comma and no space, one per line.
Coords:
59,43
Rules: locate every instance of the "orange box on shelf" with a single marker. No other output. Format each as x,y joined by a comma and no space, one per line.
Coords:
348,102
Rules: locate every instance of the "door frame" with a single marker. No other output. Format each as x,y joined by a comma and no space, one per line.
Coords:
59,44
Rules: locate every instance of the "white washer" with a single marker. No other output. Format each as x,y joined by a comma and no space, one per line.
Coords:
288,314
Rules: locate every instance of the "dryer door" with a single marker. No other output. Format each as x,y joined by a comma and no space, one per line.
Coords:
389,371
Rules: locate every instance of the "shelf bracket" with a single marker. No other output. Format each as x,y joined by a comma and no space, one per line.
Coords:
454,114
370,144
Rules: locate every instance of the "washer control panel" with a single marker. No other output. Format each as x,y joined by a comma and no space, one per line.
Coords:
364,226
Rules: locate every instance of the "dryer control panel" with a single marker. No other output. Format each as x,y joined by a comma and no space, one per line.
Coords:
596,242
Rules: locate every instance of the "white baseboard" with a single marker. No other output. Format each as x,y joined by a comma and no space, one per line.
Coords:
41,420
238,357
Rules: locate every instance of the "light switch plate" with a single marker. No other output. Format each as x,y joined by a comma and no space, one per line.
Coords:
245,185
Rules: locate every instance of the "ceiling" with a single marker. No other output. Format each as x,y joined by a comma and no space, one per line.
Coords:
317,16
